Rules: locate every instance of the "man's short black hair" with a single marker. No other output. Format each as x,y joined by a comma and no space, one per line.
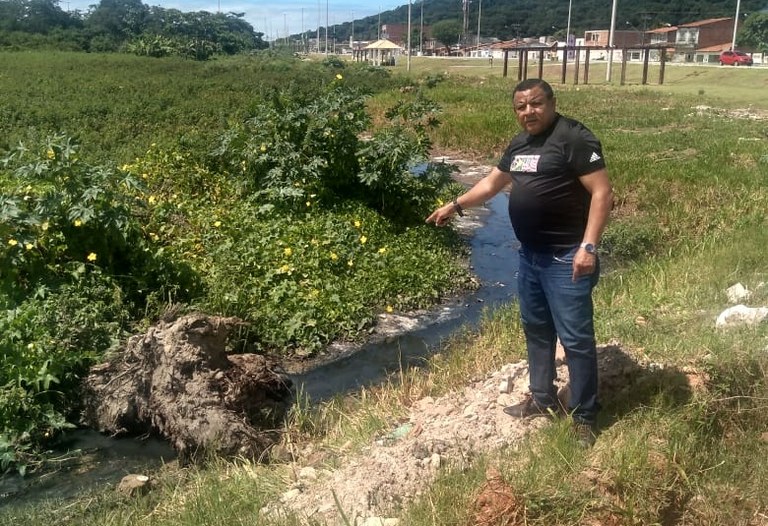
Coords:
532,83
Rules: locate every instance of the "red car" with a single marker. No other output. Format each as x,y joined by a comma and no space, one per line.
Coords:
735,58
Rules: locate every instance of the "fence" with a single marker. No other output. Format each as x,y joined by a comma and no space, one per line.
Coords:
579,51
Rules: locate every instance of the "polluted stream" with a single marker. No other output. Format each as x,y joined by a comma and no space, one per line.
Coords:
90,461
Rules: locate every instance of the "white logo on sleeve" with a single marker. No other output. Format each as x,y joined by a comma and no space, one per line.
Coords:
595,157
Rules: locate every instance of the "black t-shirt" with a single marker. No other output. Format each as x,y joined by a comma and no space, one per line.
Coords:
548,205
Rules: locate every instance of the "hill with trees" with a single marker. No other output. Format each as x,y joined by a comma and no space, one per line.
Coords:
125,25
505,20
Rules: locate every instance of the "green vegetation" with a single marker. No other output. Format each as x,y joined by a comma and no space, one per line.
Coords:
284,217
125,25
689,222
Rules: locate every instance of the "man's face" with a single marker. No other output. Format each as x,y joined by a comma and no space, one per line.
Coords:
535,112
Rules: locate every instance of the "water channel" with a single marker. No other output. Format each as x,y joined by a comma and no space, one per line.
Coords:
90,460
494,261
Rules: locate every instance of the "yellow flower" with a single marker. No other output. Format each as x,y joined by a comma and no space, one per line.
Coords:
357,223
351,263
309,203
288,251
153,236
13,242
285,269
440,202
50,153
44,226
390,309
334,256
92,256
338,76
383,250
217,224
363,239
29,246
152,199
263,147
78,222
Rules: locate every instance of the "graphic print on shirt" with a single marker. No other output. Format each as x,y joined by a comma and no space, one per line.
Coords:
524,163
595,157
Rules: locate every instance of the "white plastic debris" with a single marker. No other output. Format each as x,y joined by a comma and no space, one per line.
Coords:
737,293
741,315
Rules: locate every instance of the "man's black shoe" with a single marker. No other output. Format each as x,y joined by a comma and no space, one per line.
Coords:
529,408
586,434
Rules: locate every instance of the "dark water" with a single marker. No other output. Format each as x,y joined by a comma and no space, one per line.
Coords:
90,460
83,460
494,261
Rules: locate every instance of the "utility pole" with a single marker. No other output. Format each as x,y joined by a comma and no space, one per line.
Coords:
568,31
326,28
479,14
735,25
610,43
421,29
318,27
408,60
465,26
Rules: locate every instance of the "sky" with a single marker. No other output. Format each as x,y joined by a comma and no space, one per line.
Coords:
274,18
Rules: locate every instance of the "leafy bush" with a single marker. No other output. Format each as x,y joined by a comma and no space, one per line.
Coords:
294,152
75,270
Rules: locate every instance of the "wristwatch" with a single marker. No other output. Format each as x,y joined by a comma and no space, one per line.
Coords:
589,247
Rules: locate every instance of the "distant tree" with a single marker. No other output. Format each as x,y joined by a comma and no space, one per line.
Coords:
33,16
119,20
753,34
447,32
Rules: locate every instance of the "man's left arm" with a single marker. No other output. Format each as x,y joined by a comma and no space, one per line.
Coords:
599,187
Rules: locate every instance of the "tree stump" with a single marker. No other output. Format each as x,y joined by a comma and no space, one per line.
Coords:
178,381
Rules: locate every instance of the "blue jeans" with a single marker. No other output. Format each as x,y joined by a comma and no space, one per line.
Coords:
553,305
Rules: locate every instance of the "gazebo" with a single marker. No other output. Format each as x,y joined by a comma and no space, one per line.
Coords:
381,53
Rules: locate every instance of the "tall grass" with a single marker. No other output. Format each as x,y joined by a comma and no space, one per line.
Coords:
690,221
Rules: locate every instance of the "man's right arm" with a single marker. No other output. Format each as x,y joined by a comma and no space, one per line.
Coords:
487,187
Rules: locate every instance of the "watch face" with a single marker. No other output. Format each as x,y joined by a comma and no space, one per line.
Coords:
589,247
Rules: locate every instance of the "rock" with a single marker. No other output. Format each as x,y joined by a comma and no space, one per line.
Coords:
290,495
308,473
737,293
741,315
133,485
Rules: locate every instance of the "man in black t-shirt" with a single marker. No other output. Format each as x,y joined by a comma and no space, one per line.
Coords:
558,205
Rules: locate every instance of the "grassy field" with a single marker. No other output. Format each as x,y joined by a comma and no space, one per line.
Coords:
690,221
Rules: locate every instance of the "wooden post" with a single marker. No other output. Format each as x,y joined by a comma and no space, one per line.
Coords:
506,63
586,67
564,69
646,57
541,63
663,63
623,66
576,67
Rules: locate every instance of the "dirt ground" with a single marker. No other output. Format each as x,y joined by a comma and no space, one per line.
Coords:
450,430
